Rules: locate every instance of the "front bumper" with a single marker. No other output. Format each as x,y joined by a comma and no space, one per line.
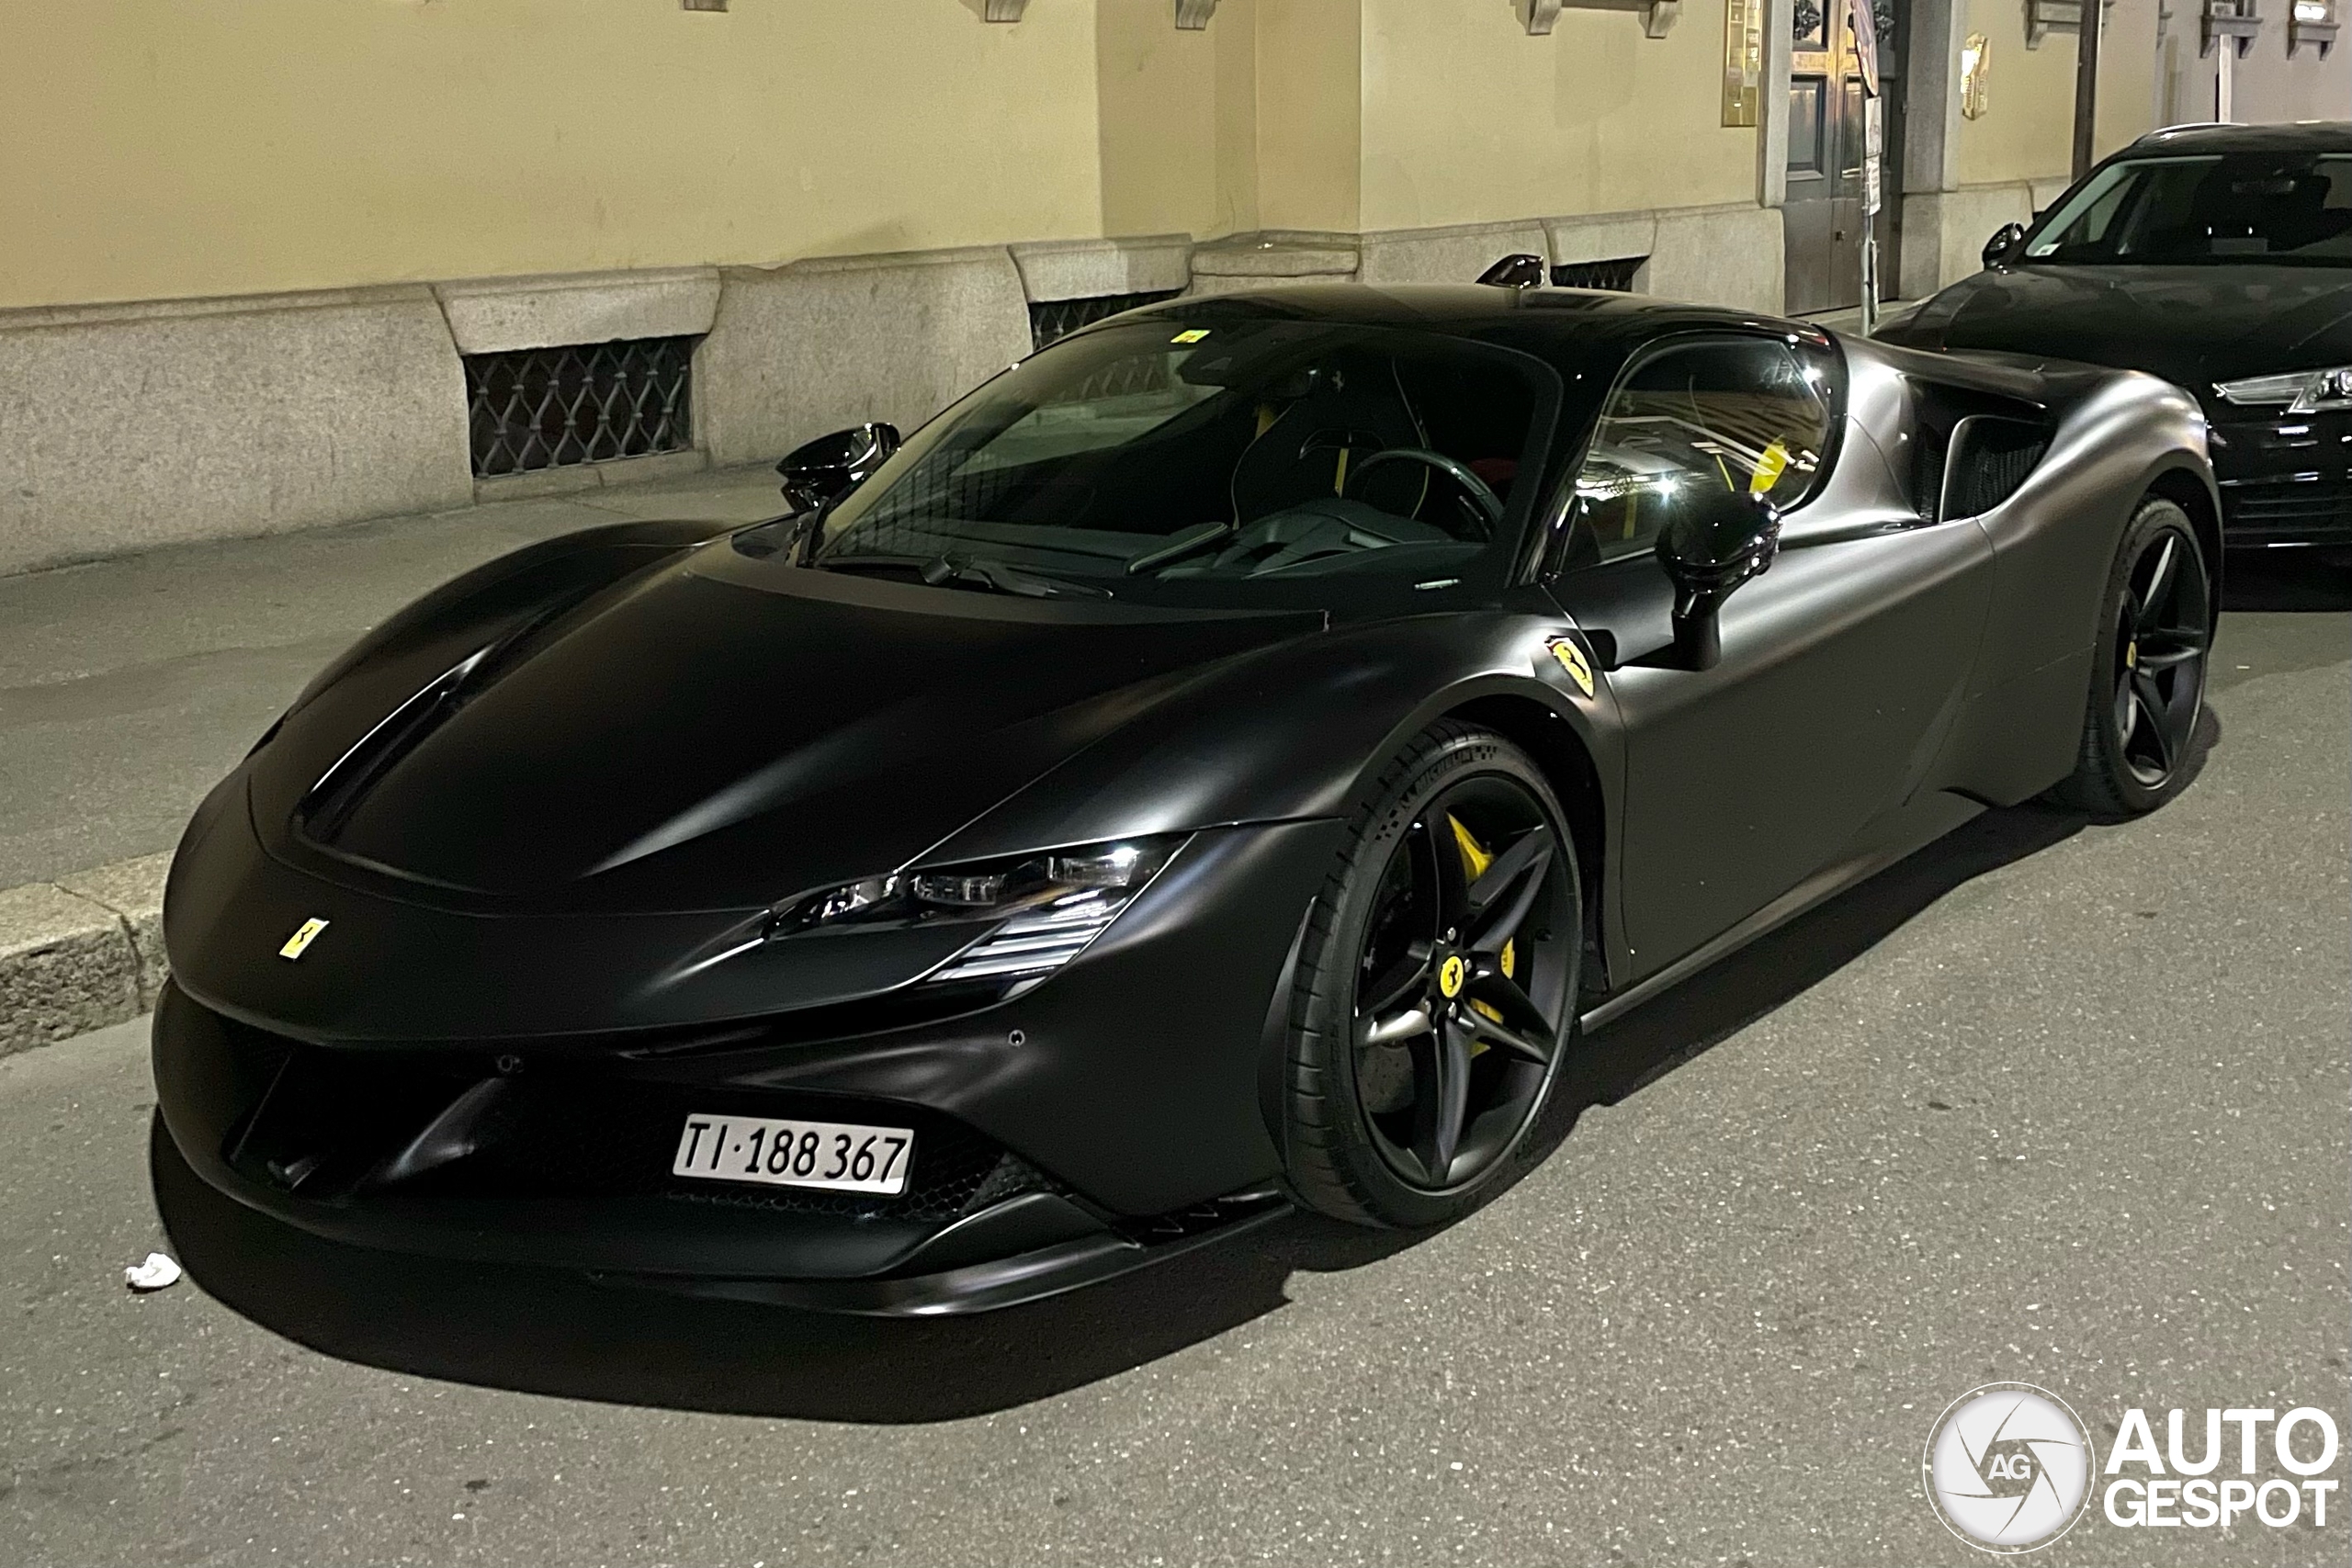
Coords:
2285,480
1092,1124
445,1156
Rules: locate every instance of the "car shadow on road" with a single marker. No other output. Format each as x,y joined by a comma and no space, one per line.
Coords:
554,1333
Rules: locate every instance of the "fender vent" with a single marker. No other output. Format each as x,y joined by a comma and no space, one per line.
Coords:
1990,457
1969,449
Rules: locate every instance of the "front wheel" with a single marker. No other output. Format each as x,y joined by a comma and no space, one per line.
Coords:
1437,985
2147,668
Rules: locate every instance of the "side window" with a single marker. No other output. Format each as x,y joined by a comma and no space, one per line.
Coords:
1738,414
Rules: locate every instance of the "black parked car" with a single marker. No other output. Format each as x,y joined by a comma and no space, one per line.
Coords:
2219,258
1218,764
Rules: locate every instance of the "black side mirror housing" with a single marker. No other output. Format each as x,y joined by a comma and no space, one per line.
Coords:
1517,271
832,465
1717,540
2006,245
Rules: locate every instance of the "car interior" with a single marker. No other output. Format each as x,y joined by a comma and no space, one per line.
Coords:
1263,450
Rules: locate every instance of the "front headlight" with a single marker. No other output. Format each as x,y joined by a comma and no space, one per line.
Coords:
1050,905
2298,391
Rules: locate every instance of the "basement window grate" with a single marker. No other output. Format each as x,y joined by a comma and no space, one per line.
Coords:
1615,275
1052,319
552,407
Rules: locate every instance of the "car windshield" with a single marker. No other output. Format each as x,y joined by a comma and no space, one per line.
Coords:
2215,210
1211,457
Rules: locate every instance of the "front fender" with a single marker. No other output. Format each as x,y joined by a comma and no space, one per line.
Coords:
1291,732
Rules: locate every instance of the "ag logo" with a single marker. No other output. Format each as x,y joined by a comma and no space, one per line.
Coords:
1451,974
304,935
1573,660
2009,1468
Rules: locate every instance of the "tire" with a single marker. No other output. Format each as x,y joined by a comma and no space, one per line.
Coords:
2148,668
1456,899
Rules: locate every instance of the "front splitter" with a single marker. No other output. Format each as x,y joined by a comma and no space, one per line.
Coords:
975,1288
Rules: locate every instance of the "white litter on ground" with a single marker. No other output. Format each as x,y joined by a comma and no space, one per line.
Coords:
157,1273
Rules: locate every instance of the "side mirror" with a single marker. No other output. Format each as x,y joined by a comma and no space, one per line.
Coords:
1716,541
1517,271
2005,244
832,465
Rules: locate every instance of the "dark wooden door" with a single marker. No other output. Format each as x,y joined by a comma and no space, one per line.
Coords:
1823,215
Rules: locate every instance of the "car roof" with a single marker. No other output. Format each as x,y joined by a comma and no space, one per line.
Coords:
2303,136
1570,325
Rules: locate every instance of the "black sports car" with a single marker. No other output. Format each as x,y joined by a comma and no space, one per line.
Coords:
2219,258
1218,764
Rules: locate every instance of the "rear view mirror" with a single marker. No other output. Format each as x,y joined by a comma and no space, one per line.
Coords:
2006,245
832,465
1717,540
1517,271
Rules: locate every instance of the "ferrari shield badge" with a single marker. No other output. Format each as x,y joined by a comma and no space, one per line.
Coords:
1573,660
1453,975
304,935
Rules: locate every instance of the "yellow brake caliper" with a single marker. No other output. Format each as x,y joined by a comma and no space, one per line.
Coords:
1474,861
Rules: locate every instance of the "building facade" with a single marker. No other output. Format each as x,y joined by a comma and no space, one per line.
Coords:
295,262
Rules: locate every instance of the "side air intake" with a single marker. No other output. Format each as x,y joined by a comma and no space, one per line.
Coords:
1989,458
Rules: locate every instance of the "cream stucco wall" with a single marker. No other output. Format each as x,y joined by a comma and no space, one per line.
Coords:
173,149
170,148
1310,113
1178,113
2028,131
1468,118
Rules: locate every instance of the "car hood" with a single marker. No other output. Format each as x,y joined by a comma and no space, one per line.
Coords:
2193,326
720,736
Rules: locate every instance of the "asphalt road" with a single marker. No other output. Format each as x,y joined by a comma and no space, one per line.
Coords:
2056,1102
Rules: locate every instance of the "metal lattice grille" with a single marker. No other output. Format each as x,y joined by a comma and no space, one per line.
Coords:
549,408
1615,275
1059,317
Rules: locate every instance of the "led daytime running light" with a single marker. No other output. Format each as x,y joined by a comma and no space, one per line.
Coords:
2298,391
1075,882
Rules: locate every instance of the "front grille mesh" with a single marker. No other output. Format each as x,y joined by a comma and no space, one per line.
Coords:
2287,509
559,1132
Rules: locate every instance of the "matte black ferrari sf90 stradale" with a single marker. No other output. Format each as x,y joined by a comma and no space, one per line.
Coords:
1215,765
2219,258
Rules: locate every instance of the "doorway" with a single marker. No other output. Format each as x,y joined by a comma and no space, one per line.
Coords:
1822,213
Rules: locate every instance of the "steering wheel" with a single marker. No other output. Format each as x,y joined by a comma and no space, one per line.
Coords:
1481,494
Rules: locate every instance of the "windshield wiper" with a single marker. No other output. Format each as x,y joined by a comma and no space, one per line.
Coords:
969,572
1184,543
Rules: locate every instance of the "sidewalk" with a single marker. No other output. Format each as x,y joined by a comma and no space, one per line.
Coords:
128,687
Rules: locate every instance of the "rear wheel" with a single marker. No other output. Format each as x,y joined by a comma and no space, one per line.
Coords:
1436,985
2147,668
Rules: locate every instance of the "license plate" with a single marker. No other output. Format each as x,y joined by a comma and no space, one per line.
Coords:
836,1156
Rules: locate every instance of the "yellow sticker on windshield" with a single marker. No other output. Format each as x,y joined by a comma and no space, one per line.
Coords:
1197,334
1768,468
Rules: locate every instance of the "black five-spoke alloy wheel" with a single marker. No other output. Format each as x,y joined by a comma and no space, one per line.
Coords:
1437,985
2148,674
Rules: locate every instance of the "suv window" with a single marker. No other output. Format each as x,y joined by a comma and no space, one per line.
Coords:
1742,414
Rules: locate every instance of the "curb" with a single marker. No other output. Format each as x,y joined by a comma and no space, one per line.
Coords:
81,952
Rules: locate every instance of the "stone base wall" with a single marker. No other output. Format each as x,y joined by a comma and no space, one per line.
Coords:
124,427
1944,232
